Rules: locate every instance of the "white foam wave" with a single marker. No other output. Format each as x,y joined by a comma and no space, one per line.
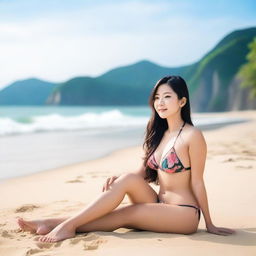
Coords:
93,122
56,122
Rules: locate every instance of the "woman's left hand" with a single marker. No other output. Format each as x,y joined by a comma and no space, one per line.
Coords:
220,230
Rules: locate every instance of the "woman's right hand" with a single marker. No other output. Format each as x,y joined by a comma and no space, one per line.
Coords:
108,183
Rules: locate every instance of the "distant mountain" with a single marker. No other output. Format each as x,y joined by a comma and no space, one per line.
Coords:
212,81
129,85
26,92
215,80
132,75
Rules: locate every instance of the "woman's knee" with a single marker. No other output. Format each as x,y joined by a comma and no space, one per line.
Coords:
137,189
129,179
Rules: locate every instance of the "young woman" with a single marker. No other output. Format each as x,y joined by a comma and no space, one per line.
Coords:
175,153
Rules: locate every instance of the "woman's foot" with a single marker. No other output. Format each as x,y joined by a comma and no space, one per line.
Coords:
40,227
61,232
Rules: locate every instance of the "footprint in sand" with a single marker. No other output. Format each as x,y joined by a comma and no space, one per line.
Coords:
90,242
47,245
12,234
74,181
33,251
78,179
26,208
5,234
93,245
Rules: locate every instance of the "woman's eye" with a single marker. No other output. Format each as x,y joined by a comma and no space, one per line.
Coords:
168,96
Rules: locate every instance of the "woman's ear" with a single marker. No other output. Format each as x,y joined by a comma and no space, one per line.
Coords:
183,101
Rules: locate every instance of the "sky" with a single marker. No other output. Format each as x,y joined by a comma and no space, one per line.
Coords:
56,40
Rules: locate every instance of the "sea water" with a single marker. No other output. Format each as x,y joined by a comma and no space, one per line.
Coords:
15,120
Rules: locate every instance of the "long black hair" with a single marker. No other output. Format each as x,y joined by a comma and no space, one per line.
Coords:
157,126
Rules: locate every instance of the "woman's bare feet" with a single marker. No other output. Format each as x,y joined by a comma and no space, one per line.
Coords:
61,232
40,227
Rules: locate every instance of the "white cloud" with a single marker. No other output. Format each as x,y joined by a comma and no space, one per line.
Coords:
94,39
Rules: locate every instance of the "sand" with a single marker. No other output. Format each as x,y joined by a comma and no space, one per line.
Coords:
230,176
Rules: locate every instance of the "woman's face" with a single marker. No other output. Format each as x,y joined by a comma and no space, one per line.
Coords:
166,102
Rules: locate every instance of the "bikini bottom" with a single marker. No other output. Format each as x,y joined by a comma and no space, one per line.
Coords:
186,205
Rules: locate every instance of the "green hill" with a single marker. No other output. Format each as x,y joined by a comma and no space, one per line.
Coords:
26,92
129,85
132,75
211,84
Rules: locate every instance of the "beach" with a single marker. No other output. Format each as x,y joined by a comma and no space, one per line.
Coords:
230,175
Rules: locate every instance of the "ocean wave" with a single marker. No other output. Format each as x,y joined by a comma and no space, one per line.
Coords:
57,122
90,121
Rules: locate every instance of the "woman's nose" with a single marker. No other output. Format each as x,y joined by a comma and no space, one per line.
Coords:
161,101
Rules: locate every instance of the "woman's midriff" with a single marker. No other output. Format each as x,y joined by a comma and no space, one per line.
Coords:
176,188
177,197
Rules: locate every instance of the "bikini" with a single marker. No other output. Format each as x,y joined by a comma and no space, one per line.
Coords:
171,164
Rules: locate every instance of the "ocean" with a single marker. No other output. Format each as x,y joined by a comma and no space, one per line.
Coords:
16,120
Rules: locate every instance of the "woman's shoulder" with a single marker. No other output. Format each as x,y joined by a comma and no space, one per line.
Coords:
194,133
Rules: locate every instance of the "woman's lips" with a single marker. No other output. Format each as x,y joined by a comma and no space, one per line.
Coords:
162,110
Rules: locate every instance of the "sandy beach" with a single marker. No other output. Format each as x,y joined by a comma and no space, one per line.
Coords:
230,176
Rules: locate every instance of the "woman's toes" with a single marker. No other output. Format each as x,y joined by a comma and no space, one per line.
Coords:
20,223
41,239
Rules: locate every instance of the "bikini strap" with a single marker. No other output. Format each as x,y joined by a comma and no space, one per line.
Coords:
181,128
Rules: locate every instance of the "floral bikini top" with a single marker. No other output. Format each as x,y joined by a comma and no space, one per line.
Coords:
171,162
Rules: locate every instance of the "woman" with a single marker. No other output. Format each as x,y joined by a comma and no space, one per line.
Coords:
175,153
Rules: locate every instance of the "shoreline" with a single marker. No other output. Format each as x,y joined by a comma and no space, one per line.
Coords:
38,152
109,153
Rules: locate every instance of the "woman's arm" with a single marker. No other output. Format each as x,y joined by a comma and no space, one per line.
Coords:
197,153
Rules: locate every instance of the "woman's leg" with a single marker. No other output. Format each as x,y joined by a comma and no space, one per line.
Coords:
144,216
152,217
147,216
108,222
133,185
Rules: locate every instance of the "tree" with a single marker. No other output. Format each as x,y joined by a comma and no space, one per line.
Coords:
248,71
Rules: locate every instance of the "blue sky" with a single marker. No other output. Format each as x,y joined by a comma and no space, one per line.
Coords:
56,40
